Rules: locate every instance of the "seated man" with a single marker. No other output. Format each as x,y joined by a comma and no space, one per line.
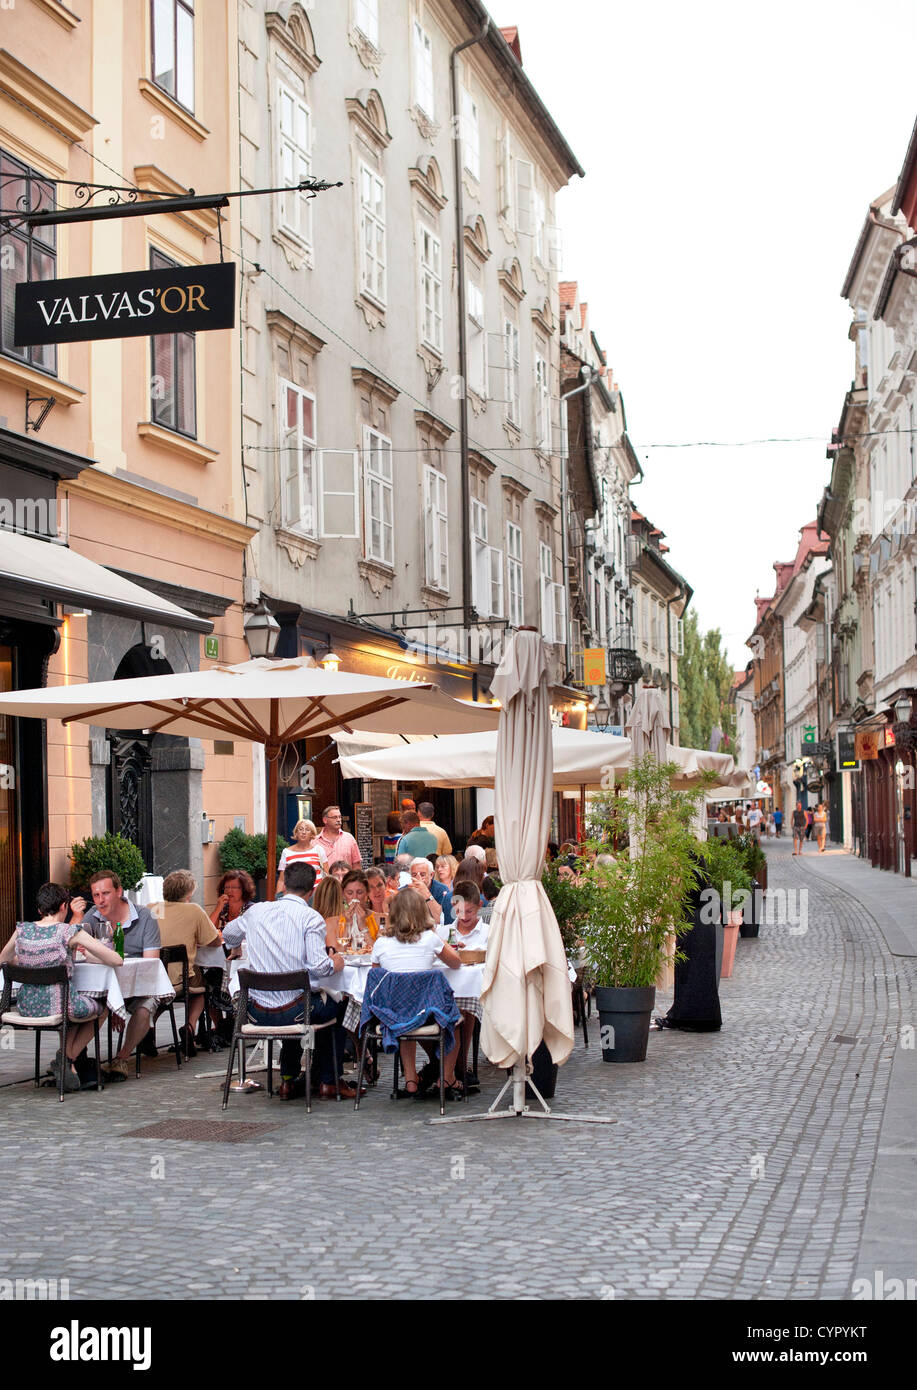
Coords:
284,936
184,923
111,910
427,886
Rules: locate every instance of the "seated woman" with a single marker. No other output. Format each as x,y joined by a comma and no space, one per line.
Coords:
235,892
378,896
50,941
328,902
471,932
184,923
408,944
304,848
444,868
356,905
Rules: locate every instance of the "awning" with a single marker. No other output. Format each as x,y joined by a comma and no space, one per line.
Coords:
56,572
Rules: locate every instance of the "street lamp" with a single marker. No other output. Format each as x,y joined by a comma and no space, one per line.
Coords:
330,661
602,714
261,631
903,709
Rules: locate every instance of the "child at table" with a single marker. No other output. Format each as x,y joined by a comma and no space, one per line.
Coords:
471,933
47,942
408,944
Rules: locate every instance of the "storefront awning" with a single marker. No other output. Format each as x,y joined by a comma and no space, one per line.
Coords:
51,571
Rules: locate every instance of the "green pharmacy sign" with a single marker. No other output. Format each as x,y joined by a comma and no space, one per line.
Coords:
808,734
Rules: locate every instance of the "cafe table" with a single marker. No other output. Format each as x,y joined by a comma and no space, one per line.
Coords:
137,977
466,982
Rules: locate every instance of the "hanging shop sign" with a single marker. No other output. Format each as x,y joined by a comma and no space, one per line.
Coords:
181,299
594,666
847,759
866,744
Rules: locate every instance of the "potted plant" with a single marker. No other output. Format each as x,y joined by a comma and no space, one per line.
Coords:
635,906
756,864
730,887
98,852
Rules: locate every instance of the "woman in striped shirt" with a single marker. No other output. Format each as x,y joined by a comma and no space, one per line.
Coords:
304,850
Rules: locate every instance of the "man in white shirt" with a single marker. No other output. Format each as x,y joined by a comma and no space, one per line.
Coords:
284,936
334,843
754,821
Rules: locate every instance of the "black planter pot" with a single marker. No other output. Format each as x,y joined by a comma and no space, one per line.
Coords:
628,1013
751,918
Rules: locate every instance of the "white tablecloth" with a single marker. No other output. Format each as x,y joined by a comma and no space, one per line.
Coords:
210,957
138,977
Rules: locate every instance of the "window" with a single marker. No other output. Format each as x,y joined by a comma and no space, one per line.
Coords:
172,389
436,529
377,494
431,289
25,253
471,135
553,605
423,71
372,234
511,365
366,19
514,573
338,475
294,144
487,566
173,49
506,188
542,404
525,184
297,458
539,226
477,340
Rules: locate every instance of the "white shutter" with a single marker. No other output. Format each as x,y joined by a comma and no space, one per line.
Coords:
338,494
495,560
507,188
560,613
498,382
545,575
525,182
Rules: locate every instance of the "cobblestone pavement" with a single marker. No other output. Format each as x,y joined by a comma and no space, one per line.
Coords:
739,1163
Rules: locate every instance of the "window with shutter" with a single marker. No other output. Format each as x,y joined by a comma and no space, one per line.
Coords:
495,558
514,573
436,529
471,135
378,496
477,340
372,234
542,404
297,458
366,19
480,559
525,179
431,288
423,70
294,146
511,367
546,588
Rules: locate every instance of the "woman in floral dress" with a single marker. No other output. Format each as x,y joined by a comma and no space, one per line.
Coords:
50,941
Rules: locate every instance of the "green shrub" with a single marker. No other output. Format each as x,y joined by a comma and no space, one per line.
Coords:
237,850
98,852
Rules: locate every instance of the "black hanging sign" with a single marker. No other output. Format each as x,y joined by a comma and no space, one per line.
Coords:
182,299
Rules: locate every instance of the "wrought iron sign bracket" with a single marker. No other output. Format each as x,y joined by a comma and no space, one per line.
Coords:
48,402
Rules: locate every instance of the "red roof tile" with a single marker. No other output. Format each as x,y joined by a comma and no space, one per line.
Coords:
512,38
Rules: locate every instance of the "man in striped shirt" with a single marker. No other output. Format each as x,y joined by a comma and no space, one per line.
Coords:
289,935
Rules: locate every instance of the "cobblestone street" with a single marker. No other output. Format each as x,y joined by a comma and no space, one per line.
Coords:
740,1164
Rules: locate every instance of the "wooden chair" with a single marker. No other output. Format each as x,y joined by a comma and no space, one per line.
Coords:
245,1031
55,1023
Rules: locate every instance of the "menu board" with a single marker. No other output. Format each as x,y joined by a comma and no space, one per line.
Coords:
363,831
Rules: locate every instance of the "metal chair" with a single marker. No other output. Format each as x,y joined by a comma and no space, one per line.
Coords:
55,1023
244,1031
372,1032
170,955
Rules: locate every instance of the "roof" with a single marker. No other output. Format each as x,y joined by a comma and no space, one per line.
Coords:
512,38
907,170
868,224
476,15
567,290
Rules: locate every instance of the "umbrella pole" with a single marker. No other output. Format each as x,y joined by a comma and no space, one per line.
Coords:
271,750
519,1109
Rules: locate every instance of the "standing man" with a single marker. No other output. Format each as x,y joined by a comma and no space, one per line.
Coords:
334,843
754,821
800,822
416,842
425,812
111,910
778,820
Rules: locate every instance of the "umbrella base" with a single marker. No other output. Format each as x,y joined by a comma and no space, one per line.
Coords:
518,1109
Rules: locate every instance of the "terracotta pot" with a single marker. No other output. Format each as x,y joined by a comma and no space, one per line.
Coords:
730,941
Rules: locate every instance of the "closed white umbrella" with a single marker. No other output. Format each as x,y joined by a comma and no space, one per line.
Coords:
648,725
526,991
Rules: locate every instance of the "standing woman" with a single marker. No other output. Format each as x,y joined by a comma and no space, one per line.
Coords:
820,822
304,849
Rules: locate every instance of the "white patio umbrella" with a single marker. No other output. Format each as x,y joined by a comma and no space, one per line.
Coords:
274,702
581,757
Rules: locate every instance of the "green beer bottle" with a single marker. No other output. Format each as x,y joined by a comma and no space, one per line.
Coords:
118,942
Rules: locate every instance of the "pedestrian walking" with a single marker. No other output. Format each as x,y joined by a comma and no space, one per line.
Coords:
810,816
820,822
799,828
778,822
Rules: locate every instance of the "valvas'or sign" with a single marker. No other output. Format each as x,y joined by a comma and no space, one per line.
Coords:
183,299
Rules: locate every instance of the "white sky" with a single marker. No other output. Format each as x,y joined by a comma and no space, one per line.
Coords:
731,152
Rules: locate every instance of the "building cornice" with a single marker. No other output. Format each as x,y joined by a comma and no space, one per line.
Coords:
45,101
283,326
147,507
